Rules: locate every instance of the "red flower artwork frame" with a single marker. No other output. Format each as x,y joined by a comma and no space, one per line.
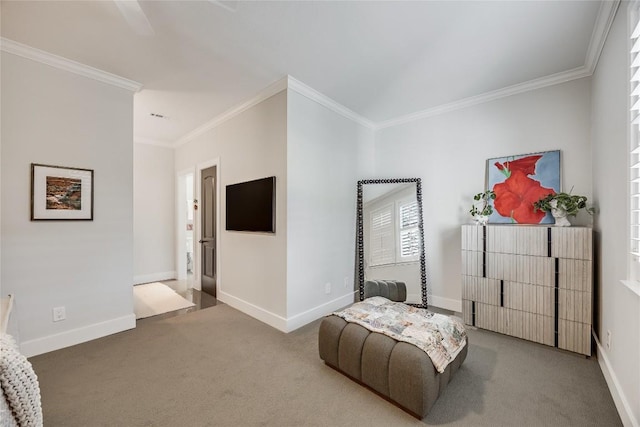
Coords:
519,181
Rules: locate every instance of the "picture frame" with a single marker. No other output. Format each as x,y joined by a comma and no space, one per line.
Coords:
61,193
520,180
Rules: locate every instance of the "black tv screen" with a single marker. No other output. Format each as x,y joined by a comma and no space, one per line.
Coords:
251,205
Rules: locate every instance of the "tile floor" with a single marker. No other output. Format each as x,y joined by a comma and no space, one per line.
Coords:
201,300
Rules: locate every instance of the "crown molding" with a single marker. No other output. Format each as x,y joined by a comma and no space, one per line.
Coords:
562,77
286,82
604,20
267,92
150,141
606,14
28,52
324,100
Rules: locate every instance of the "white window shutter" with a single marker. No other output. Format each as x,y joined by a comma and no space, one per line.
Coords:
409,244
634,146
382,236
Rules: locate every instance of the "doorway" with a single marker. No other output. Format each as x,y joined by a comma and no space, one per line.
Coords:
208,230
185,221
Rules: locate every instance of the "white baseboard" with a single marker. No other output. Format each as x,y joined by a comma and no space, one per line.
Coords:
153,277
620,400
271,319
76,336
279,322
301,319
446,303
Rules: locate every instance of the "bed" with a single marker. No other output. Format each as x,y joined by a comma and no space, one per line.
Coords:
375,344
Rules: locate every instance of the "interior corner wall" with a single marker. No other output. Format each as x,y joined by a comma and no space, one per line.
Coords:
252,266
54,117
617,307
154,226
449,152
325,154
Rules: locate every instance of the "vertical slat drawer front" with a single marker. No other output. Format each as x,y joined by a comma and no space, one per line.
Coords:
485,316
509,240
493,265
575,306
466,285
574,336
466,312
548,331
575,274
493,296
501,239
574,248
471,263
535,270
571,242
483,319
531,241
510,267
464,264
494,239
471,243
482,290
501,320
465,238
502,266
471,237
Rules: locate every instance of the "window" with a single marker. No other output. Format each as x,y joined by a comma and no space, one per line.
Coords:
382,236
634,146
394,233
409,243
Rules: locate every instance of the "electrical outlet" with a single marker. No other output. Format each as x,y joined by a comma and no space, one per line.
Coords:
608,340
59,314
346,282
327,288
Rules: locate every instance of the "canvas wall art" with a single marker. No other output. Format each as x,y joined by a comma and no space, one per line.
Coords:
61,193
519,181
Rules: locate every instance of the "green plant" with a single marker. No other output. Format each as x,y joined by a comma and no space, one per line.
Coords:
571,203
483,208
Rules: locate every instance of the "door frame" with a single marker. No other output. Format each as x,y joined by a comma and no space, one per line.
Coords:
198,227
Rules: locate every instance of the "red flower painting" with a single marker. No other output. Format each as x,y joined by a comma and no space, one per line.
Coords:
525,164
516,195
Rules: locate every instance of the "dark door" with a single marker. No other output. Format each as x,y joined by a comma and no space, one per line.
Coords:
208,230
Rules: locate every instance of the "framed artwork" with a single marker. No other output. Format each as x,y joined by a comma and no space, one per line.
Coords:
518,182
61,193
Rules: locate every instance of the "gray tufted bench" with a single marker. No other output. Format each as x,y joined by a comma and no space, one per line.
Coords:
390,289
398,371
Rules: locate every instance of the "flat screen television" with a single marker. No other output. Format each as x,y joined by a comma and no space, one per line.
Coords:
251,206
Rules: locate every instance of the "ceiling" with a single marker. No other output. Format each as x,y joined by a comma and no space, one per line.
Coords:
383,60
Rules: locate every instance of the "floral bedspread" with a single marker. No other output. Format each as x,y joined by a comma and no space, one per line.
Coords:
441,337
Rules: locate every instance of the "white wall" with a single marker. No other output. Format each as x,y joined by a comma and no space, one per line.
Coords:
54,117
449,152
154,226
252,266
617,308
323,166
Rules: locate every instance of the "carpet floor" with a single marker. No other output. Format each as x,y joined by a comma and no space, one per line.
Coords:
219,367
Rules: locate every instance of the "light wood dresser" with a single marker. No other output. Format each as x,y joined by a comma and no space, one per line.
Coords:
532,282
